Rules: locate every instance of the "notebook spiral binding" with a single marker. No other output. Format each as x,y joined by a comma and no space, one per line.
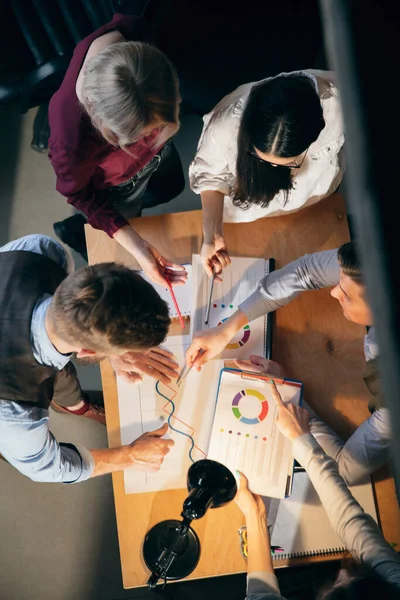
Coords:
326,552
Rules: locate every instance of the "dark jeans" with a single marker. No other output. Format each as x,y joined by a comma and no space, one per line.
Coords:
158,182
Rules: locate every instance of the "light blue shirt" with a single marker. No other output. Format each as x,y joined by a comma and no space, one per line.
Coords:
25,439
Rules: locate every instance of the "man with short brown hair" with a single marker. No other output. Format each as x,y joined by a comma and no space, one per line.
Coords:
47,317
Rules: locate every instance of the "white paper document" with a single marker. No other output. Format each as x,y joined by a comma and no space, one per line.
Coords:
142,408
302,527
245,437
239,280
182,294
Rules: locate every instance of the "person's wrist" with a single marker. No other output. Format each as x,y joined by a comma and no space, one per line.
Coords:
296,433
211,237
130,454
234,324
255,516
130,239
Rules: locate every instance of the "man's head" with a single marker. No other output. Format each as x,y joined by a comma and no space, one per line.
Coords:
351,290
107,310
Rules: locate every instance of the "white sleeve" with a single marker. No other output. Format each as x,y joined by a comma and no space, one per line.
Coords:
212,166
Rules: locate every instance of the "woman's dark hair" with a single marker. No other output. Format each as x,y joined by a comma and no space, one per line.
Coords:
283,116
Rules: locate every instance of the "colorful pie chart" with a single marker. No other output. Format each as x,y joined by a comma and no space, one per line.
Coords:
246,420
245,337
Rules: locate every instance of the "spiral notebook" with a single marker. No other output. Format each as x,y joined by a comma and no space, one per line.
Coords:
302,527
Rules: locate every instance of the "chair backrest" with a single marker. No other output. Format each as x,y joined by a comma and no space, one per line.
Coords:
51,30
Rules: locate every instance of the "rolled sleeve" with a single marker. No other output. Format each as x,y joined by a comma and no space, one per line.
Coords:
210,170
28,445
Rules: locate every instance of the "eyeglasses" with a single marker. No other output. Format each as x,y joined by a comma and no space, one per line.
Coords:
288,166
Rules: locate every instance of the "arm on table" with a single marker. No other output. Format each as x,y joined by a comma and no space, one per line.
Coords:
147,453
359,532
211,176
27,443
261,581
311,272
214,253
74,180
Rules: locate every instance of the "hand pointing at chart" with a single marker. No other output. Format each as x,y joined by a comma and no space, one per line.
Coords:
213,341
292,420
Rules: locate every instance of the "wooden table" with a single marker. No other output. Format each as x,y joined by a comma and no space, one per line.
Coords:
312,339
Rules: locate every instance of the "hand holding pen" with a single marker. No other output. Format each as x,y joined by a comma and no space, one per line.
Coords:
215,257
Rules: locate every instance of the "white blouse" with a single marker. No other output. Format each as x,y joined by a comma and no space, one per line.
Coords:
214,166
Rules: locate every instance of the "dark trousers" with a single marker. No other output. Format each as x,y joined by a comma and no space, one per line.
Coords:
67,389
157,183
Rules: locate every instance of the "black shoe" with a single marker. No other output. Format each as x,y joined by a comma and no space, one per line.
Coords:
72,233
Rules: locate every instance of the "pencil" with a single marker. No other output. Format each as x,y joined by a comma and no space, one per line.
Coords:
185,371
209,299
171,291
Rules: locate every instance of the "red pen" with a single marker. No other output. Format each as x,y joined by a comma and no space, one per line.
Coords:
171,291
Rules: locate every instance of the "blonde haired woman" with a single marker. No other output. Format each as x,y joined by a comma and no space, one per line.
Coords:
111,122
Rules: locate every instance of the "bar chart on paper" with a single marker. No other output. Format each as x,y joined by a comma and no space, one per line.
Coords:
245,436
147,405
240,280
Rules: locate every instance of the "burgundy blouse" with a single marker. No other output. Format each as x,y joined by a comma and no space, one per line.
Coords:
82,159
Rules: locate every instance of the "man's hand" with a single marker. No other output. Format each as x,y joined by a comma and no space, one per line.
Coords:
292,420
258,364
249,504
213,341
157,363
147,453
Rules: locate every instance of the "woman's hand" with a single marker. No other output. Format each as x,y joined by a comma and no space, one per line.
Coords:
292,420
249,504
258,364
214,256
158,363
153,263
158,268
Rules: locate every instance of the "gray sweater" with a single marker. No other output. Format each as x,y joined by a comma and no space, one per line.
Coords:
357,530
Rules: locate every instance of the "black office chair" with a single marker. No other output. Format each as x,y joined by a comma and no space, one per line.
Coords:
47,32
